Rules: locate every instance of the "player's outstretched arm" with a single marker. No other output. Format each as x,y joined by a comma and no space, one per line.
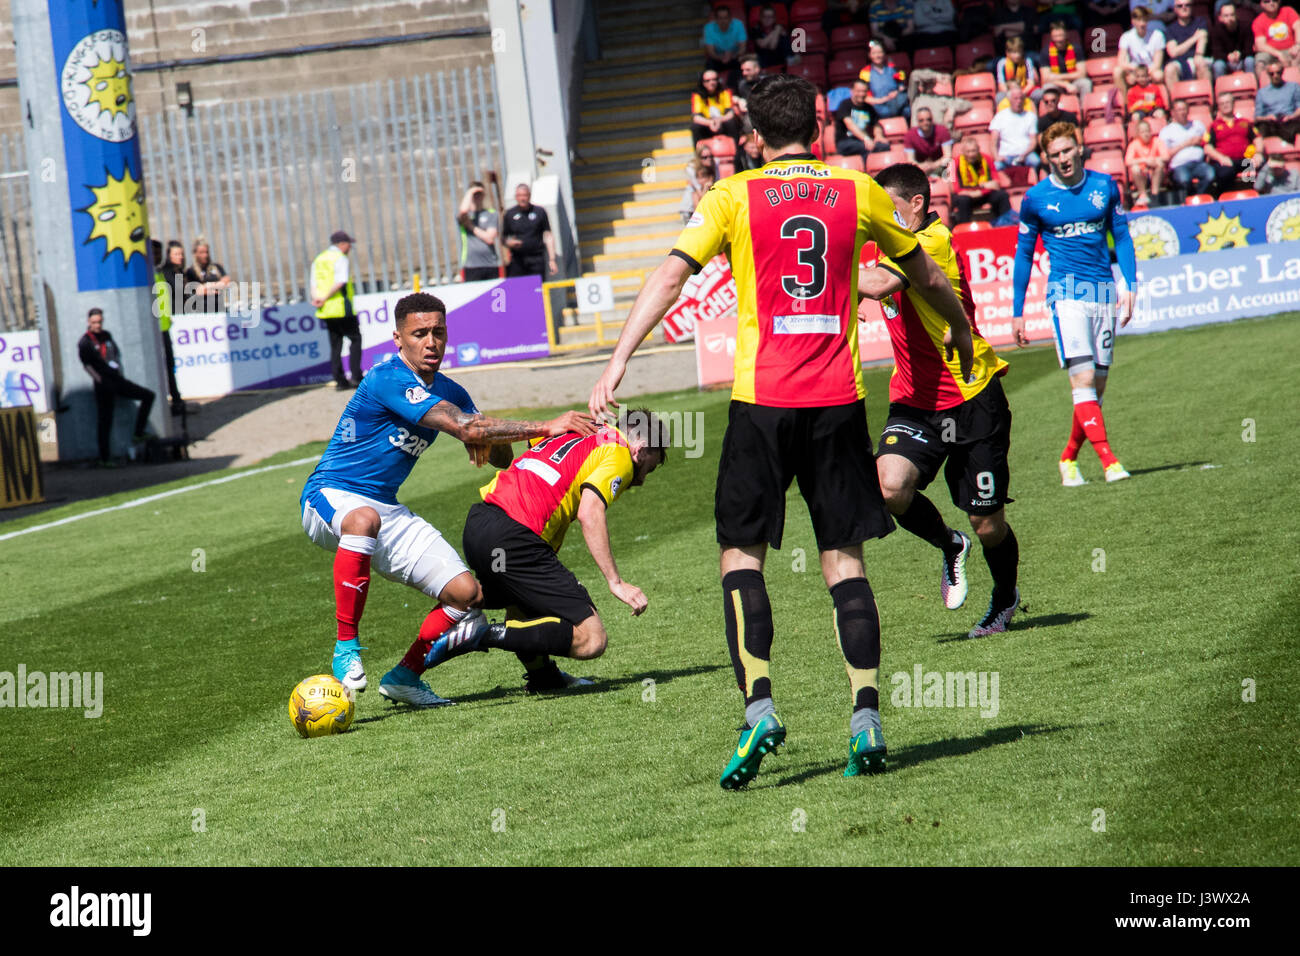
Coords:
1127,257
877,282
656,297
1026,240
591,515
926,275
484,430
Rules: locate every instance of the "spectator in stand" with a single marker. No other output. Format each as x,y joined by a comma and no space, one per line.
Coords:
936,23
750,71
1232,44
1162,12
1050,112
478,236
1146,159
173,273
1050,12
1277,36
103,363
1184,139
928,144
887,87
1143,45
712,109
1014,18
1187,41
921,94
1274,177
1232,145
975,18
1015,133
1098,13
977,183
844,13
750,155
1146,97
1063,67
771,40
724,42
205,281
892,24
856,130
1277,105
701,174
1016,69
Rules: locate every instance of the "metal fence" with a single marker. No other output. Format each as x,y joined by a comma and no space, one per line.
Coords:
265,182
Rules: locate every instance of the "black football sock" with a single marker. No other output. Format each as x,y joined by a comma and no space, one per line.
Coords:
857,628
528,639
1003,560
533,662
748,614
922,518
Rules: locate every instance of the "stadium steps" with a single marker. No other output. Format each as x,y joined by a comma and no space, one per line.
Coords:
634,115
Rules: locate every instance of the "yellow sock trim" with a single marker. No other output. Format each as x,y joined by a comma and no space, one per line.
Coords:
533,622
858,677
754,667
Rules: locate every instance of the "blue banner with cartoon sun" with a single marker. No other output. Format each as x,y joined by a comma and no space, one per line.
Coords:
102,154
1213,227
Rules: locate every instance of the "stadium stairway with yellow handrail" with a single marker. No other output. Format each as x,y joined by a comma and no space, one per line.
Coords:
634,138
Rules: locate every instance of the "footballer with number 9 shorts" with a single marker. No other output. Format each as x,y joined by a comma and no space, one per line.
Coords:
1074,209
792,230
349,504
935,417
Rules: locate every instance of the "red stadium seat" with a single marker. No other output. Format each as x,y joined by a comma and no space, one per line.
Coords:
1111,32
1238,194
853,36
1277,146
1157,125
1241,85
756,13
976,87
939,189
1100,135
821,108
1244,108
737,8
846,66
847,162
1193,91
985,139
814,40
1198,200
1291,74
1111,163
828,140
774,68
1094,105
932,58
894,128
1202,113
804,11
721,146
1070,103
1101,70
977,49
812,68
878,161
971,227
977,118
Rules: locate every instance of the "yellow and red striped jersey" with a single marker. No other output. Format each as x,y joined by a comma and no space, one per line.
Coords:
923,377
542,488
793,230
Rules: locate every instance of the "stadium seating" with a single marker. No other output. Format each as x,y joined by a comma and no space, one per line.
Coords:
1156,126
774,68
976,118
1094,105
933,58
1291,74
1195,92
822,114
1244,108
835,96
1101,70
1241,85
976,226
1111,163
847,162
903,62
1201,112
977,49
878,161
812,68
977,87
807,12
853,36
846,66
1070,103
1100,135
1238,194
737,8
828,141
1111,32
1200,199
756,13
894,128
815,41
1277,146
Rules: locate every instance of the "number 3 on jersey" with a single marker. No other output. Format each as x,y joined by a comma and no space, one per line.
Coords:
810,233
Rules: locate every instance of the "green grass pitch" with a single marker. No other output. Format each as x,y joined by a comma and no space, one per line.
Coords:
1120,690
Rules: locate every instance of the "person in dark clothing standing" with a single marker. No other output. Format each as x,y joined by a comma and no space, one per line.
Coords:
98,353
527,234
168,286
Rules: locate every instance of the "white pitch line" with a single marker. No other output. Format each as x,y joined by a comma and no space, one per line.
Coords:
162,494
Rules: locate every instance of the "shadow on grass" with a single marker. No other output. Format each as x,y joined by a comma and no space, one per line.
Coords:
936,750
1178,467
1020,624
501,694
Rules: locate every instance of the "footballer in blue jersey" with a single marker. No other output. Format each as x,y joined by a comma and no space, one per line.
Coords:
349,504
1077,211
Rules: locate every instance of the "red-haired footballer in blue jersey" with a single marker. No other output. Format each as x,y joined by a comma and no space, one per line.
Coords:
349,504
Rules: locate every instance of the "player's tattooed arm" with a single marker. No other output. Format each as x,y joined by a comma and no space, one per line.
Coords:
486,430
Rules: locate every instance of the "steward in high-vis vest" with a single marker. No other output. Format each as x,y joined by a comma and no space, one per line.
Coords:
162,296
331,294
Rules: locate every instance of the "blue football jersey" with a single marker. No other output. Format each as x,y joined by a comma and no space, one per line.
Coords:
1074,222
377,441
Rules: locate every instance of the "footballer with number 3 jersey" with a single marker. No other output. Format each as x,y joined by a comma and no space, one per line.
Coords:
1074,210
935,416
349,504
792,231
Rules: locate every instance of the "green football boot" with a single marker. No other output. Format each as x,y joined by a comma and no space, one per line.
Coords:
866,754
754,744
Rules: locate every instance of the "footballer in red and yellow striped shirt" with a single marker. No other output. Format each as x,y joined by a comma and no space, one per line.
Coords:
792,231
940,418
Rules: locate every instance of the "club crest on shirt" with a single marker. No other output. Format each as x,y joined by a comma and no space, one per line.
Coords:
1097,199
415,395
